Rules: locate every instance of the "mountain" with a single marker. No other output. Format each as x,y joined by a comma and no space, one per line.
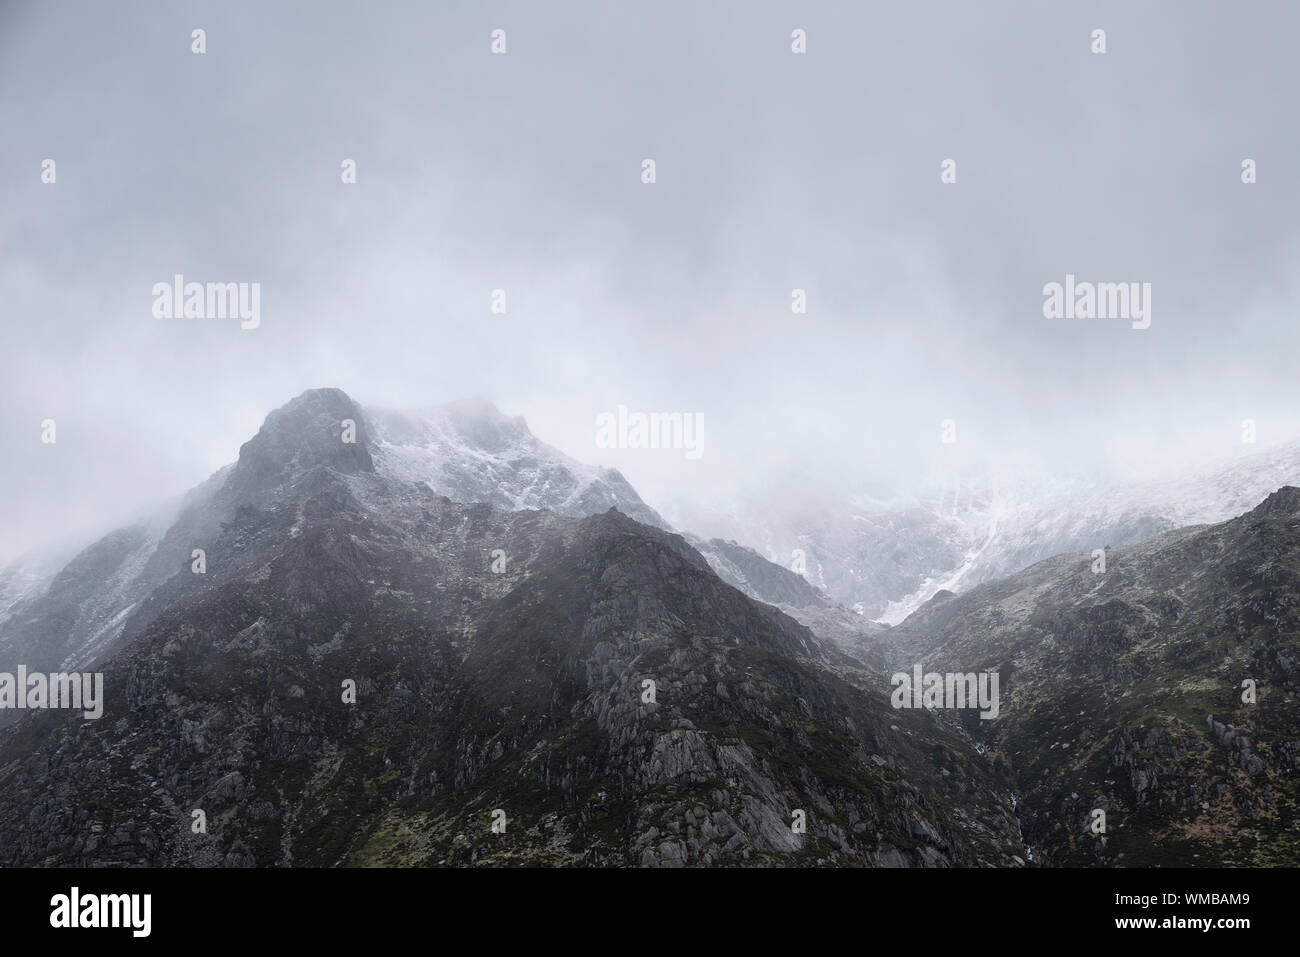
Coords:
467,451
885,557
1122,690
499,660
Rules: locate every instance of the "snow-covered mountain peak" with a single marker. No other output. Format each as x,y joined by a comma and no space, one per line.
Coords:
471,452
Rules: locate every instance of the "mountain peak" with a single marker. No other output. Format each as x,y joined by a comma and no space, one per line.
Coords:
310,431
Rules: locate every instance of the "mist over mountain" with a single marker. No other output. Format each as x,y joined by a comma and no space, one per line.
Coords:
500,660
885,557
587,434
57,615
924,298
499,652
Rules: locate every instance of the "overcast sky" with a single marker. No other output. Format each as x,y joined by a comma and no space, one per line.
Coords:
522,171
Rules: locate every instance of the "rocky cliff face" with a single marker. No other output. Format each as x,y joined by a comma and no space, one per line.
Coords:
1123,690
501,661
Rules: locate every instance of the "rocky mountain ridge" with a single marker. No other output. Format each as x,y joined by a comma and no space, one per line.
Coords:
499,662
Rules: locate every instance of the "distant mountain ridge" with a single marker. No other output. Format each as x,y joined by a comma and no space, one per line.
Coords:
885,559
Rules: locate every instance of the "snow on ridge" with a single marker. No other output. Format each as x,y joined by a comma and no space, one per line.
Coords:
471,452
886,556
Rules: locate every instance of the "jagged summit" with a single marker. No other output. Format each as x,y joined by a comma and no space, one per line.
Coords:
467,451
305,433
